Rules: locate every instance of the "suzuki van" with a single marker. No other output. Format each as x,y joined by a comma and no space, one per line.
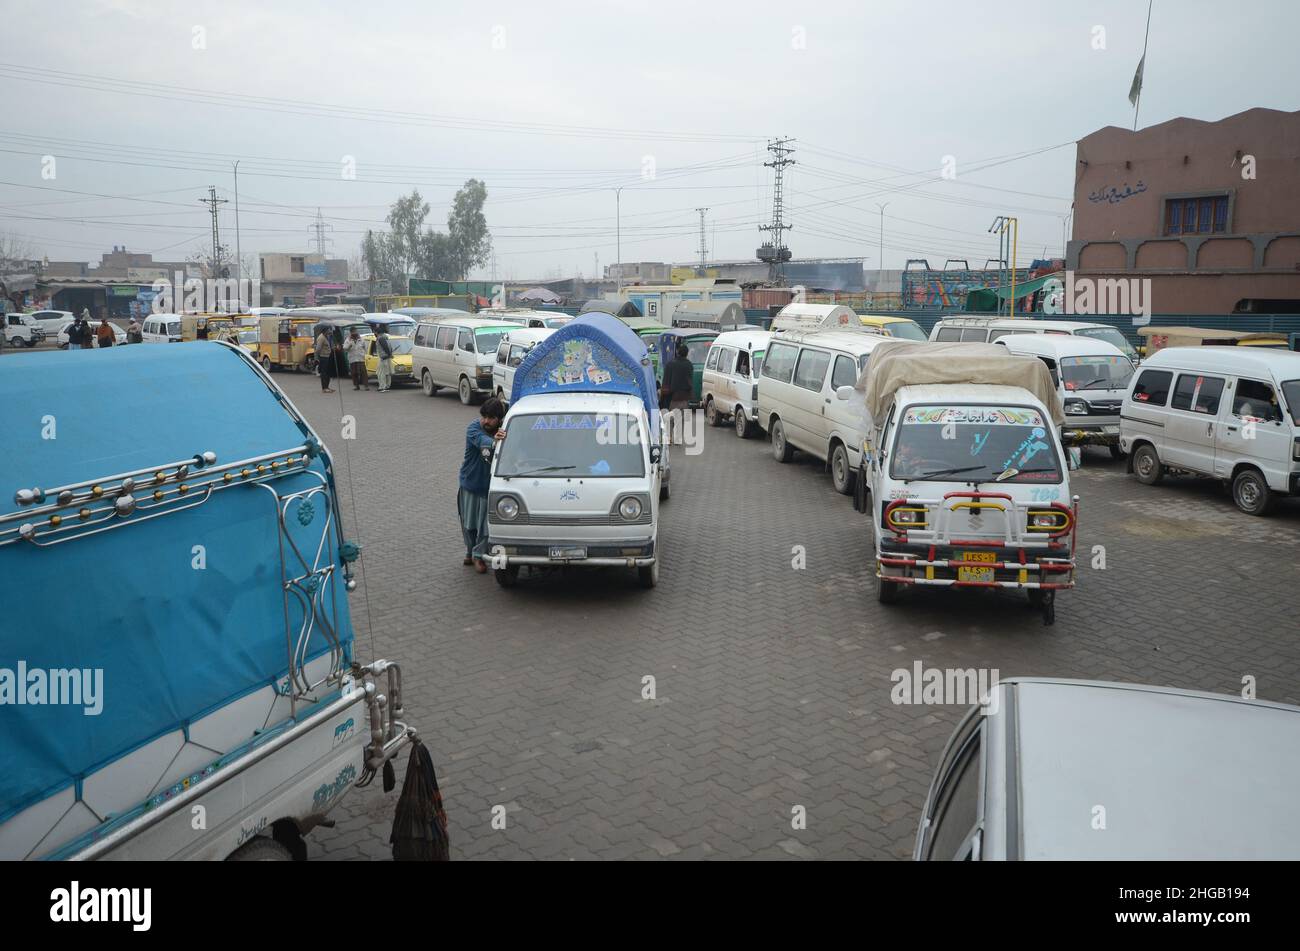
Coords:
730,380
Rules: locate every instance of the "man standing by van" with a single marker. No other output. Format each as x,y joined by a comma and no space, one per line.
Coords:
679,382
384,350
481,437
79,332
355,349
324,350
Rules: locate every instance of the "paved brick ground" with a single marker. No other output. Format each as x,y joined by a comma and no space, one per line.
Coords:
773,684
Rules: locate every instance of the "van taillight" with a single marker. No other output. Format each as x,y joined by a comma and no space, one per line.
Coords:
1295,449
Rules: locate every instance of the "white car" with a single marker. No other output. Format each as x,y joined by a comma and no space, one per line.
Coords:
119,335
511,352
50,321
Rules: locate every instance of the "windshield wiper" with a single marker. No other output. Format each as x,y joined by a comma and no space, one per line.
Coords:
520,475
1010,473
1100,379
944,472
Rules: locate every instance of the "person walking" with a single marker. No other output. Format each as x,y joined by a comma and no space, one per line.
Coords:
481,437
678,385
384,349
355,349
324,350
105,333
79,332
134,334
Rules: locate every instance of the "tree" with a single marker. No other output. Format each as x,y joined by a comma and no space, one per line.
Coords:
468,236
411,249
15,253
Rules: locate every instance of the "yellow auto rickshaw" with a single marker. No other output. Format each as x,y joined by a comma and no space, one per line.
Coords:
209,326
285,343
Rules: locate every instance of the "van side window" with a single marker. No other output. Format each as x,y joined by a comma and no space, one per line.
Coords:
846,372
503,352
1255,400
712,362
1051,368
446,338
996,334
742,363
517,354
949,334
956,806
1152,387
420,336
726,360
811,372
974,335
1198,394
779,363
465,341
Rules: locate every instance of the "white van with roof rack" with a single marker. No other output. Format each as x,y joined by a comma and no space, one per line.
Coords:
991,329
1230,413
802,370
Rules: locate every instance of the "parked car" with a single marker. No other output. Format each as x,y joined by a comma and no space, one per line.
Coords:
119,335
22,330
397,325
989,329
802,370
401,347
1229,413
900,328
50,321
1091,377
514,346
1084,770
729,385
162,328
458,353
526,318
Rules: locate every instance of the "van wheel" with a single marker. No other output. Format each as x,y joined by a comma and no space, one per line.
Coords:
426,384
1146,465
781,450
648,575
261,849
665,490
887,591
841,474
741,423
507,577
309,364
266,363
711,413
465,390
1251,493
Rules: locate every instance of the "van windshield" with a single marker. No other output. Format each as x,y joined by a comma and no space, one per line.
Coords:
1291,391
487,341
1096,373
905,330
974,444
1111,336
567,445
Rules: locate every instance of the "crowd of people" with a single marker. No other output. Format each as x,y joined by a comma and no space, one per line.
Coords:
351,353
82,335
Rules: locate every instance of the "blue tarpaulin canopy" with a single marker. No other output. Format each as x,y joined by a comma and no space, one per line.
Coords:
182,613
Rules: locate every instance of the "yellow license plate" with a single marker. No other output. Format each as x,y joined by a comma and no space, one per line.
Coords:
976,574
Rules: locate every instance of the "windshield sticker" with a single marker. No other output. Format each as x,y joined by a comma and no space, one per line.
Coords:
571,422
1030,447
978,415
978,445
599,468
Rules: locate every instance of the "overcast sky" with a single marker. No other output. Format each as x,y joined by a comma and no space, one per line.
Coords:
556,104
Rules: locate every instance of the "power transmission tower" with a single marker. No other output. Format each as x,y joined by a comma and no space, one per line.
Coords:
320,227
704,248
774,251
214,203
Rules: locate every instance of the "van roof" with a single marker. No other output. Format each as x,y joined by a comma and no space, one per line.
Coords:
519,334
976,392
471,323
1281,364
744,339
1065,326
856,342
809,316
1059,345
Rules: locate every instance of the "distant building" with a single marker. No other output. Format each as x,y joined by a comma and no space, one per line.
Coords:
1208,211
287,277
644,272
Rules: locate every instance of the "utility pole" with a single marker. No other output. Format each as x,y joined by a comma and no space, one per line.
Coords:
882,233
319,226
1008,230
704,248
214,203
774,252
618,231
239,250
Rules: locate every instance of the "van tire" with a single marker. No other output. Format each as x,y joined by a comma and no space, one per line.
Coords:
887,591
309,363
711,412
426,384
1250,492
261,849
1147,466
665,490
841,474
741,422
465,391
648,575
781,450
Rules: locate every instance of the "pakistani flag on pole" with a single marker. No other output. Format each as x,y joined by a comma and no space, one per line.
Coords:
1136,89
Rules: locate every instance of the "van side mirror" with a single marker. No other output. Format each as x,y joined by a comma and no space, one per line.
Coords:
844,393
656,455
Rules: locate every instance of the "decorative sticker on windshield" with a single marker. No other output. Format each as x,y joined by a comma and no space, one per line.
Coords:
978,415
579,364
571,422
1031,446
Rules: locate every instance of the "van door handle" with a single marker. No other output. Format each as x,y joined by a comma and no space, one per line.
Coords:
1232,429
828,401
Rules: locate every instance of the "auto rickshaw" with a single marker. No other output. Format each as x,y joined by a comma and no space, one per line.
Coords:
285,343
208,326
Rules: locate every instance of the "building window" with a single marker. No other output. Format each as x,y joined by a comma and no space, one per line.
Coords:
297,265
1205,215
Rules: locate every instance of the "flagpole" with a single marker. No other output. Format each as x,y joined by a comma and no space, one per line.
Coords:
1137,106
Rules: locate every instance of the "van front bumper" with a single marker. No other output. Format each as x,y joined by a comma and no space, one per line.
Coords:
948,566
636,553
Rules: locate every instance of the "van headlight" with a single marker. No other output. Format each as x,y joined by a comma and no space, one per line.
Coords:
1076,408
507,507
630,508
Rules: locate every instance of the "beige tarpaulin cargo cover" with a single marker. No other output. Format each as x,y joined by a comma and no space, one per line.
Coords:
1158,338
898,363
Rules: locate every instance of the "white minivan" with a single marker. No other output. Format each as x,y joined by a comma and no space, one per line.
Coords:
729,387
1230,413
1091,377
514,346
161,328
796,397
457,353
991,329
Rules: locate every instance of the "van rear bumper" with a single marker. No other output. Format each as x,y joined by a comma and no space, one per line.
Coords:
637,553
